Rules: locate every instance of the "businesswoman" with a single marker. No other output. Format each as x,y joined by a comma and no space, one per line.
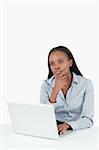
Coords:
69,92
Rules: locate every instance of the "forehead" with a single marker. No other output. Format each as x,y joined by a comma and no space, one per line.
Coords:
57,55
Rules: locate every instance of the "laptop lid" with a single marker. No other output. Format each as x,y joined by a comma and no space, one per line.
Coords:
34,119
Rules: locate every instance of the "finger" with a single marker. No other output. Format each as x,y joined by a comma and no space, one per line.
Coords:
64,80
60,128
61,132
63,72
63,77
57,74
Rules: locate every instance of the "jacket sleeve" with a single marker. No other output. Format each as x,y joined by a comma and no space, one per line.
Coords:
44,96
85,119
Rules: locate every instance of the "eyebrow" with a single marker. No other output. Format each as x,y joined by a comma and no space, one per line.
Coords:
57,59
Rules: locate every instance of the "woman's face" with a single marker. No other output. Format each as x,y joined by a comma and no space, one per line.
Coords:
59,61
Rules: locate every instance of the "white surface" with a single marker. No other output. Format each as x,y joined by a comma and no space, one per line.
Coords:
37,120
29,31
83,139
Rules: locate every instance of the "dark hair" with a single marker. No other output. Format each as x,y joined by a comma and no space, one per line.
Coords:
74,67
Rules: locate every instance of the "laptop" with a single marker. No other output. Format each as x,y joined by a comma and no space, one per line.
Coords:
34,120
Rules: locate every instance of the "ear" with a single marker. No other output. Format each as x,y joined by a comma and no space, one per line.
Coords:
70,63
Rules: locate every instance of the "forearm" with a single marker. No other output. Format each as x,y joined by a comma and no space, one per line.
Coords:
81,123
54,94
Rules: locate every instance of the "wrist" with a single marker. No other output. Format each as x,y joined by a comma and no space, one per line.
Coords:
56,90
54,94
68,126
52,101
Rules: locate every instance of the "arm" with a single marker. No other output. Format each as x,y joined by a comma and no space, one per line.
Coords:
44,96
53,96
60,81
85,120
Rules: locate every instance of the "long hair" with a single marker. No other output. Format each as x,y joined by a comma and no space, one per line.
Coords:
74,67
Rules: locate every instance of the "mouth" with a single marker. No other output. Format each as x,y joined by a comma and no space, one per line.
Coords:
56,72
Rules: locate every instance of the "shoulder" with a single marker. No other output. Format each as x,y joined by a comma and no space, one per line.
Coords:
83,80
48,82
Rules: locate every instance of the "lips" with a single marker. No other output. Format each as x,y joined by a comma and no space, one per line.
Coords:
57,72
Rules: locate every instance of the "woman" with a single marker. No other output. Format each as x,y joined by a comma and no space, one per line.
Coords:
69,92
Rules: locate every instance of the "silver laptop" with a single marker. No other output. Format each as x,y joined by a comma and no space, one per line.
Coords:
35,120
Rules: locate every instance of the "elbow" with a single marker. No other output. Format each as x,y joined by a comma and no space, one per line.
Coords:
90,122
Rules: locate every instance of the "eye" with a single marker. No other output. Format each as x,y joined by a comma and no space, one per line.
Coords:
51,63
60,61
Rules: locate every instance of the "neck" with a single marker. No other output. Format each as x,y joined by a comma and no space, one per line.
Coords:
69,77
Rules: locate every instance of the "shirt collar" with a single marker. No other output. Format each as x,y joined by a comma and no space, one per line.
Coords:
51,81
75,78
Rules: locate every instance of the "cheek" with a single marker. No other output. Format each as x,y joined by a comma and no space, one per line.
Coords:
65,66
52,69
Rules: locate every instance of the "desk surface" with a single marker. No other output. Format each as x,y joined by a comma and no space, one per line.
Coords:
84,139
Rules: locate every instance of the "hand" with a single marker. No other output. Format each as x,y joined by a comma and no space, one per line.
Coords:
61,74
63,127
60,79
60,82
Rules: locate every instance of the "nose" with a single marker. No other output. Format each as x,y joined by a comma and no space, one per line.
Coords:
57,67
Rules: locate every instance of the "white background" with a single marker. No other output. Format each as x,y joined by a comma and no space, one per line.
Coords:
29,31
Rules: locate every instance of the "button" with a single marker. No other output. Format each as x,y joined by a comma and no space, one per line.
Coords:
67,113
